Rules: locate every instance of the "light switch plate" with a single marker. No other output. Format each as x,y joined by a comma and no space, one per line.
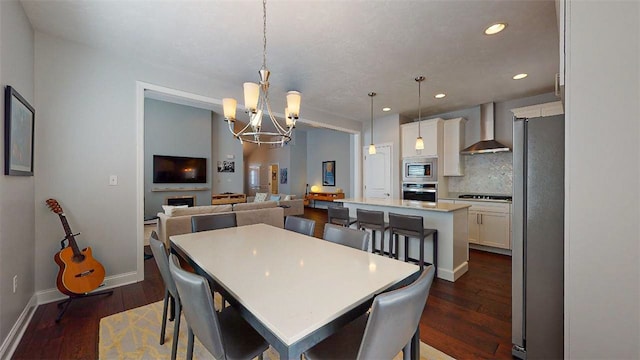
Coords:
113,180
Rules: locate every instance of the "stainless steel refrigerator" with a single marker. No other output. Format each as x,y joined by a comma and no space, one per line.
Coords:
538,238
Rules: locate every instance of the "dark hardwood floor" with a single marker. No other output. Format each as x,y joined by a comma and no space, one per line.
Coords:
468,319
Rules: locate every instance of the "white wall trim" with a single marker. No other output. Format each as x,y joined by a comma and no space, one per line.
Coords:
51,295
15,334
356,181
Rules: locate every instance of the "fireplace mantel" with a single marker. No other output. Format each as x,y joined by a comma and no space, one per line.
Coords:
180,189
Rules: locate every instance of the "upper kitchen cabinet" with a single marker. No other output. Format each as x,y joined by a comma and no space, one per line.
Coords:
432,132
561,13
453,143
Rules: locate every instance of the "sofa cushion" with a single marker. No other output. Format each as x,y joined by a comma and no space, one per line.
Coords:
274,198
270,216
287,197
254,205
196,210
168,209
260,197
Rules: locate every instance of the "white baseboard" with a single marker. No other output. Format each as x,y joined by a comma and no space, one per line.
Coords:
454,275
51,295
12,340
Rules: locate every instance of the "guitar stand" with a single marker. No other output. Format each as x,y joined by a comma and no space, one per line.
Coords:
63,305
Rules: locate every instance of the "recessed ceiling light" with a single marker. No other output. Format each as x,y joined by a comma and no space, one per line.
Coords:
520,76
386,109
495,28
440,96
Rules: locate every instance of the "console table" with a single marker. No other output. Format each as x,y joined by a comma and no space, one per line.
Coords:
322,196
221,199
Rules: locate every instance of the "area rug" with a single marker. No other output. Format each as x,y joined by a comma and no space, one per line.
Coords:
135,334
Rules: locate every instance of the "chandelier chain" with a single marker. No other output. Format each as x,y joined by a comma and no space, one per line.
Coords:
264,34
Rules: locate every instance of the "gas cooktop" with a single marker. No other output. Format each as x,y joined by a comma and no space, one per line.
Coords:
485,197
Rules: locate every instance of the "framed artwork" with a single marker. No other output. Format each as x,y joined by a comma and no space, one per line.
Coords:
283,175
226,166
19,118
329,173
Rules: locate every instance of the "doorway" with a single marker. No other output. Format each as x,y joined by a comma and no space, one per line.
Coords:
274,171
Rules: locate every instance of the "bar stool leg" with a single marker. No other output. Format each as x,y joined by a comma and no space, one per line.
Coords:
406,248
435,251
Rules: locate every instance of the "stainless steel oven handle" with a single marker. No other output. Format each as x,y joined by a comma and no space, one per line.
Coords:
420,190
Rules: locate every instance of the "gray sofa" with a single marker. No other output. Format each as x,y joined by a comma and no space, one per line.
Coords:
179,222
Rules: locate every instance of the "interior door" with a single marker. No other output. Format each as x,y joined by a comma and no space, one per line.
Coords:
273,178
377,172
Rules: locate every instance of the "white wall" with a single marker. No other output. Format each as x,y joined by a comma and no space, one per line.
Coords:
17,235
175,130
602,211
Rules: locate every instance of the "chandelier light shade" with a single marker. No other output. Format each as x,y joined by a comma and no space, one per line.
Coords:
256,104
419,141
372,148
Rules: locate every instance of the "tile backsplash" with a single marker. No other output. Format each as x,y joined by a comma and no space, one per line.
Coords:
485,174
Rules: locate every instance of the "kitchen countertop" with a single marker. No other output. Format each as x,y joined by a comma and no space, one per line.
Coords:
409,204
455,196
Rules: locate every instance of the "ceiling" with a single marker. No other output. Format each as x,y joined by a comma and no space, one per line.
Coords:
334,52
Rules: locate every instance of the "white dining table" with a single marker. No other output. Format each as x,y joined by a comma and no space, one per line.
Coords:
295,290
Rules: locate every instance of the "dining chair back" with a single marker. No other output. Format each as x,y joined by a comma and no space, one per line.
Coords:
357,239
392,323
213,221
225,335
170,292
394,318
339,215
300,225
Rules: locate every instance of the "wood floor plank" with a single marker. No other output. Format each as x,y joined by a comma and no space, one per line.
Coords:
468,319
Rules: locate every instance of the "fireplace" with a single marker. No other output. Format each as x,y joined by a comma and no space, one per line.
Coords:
189,200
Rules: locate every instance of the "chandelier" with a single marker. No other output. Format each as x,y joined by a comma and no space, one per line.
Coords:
256,101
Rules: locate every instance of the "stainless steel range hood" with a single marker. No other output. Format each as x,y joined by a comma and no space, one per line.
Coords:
487,143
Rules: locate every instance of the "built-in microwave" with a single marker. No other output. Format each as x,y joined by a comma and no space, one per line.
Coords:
420,170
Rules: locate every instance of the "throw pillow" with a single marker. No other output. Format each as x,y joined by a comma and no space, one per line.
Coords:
168,209
274,198
286,198
260,197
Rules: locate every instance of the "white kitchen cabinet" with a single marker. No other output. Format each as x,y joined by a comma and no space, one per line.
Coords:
453,143
432,132
489,223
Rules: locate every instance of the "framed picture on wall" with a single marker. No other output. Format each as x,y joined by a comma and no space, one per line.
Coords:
329,173
18,134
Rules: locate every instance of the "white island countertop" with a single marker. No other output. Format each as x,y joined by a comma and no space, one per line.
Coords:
406,204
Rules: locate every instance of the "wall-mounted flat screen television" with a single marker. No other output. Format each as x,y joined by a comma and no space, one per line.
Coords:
179,169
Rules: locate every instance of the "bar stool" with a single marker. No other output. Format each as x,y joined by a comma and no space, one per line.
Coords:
374,221
340,216
411,226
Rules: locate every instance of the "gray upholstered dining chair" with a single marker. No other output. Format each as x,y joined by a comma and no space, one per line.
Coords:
339,215
300,225
393,320
226,335
170,292
213,221
357,239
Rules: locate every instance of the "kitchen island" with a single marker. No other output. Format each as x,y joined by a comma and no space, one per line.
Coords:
449,219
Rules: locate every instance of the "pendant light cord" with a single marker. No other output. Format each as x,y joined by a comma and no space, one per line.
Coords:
372,94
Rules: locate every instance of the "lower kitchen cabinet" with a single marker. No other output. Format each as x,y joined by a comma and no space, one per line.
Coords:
489,223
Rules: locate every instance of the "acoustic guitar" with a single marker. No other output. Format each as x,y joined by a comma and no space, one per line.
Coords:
79,272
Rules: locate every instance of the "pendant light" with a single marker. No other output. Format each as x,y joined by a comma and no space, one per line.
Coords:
372,148
419,141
